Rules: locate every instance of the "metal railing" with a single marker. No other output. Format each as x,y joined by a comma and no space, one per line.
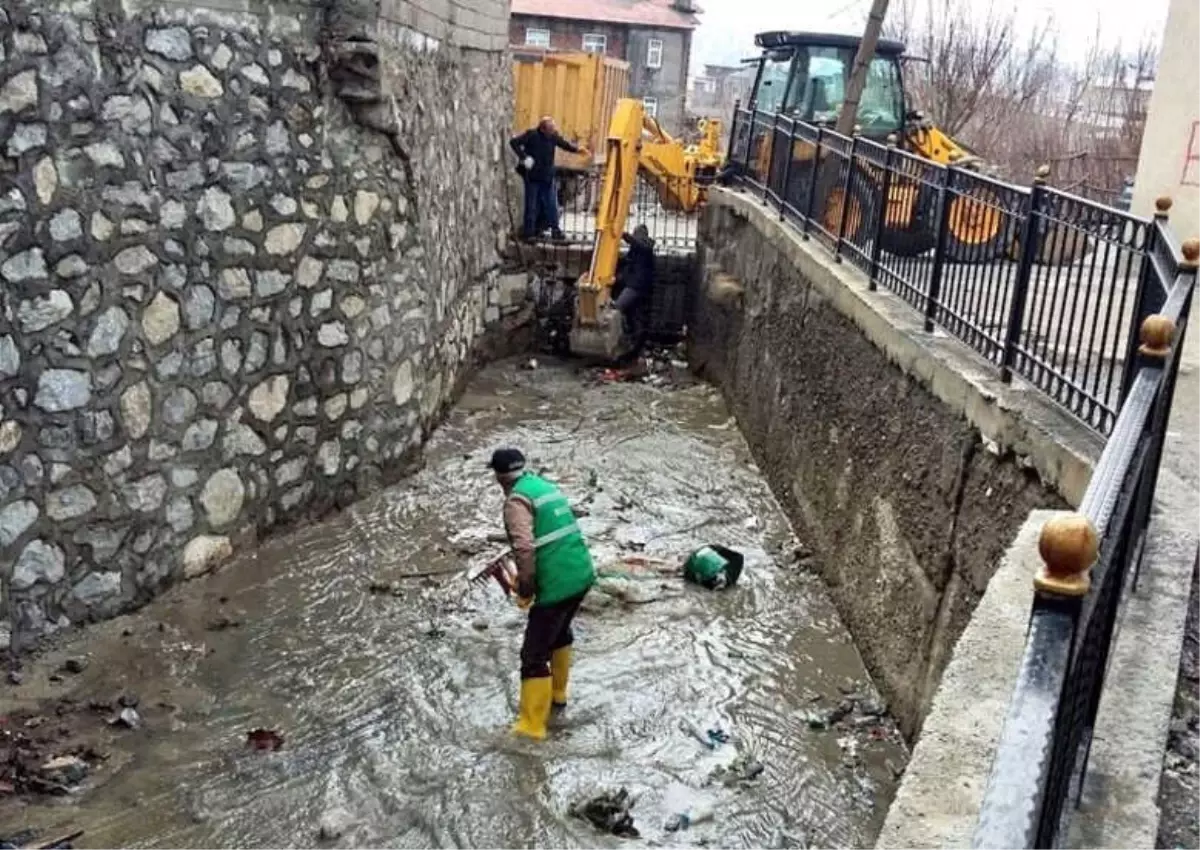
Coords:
673,230
1042,283
1088,559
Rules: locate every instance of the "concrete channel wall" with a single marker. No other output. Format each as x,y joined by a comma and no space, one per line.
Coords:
247,250
899,456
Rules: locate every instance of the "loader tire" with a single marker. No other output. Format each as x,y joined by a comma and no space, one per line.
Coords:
977,229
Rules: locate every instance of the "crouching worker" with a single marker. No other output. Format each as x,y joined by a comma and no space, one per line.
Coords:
554,573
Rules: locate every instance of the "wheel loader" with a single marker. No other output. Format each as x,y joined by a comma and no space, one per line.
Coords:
802,76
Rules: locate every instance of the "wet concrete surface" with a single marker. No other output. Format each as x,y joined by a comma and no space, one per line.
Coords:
394,707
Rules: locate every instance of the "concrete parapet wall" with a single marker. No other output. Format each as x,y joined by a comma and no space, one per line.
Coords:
898,454
232,297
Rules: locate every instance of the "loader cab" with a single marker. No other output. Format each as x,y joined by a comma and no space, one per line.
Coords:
804,76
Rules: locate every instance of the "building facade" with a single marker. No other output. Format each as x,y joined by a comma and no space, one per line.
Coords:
653,36
1169,162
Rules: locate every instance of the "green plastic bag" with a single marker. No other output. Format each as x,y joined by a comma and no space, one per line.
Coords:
714,567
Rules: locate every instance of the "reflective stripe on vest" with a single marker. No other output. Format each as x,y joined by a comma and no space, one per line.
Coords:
556,534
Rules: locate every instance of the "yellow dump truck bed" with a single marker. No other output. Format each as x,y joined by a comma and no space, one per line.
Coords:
580,90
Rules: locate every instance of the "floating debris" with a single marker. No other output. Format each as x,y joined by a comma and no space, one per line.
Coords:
742,770
74,665
222,623
126,717
608,812
264,739
694,815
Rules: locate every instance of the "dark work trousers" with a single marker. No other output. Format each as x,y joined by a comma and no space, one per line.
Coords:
548,629
541,208
632,305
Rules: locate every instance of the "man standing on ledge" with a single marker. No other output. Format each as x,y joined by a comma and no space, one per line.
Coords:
554,573
535,152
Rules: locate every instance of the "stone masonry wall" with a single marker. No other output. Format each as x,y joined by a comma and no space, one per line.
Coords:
246,258
905,506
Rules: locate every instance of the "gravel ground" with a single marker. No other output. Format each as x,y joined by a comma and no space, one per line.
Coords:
1179,791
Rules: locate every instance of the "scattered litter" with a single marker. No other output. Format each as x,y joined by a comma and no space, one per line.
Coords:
608,812
530,364
714,567
742,770
25,840
388,588
67,770
15,677
694,815
264,739
862,711
127,717
222,623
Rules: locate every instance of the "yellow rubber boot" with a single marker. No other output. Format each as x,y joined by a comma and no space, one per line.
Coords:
560,673
535,708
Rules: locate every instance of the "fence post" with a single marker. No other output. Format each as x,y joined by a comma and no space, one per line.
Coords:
737,106
881,212
770,161
846,184
787,169
812,183
1029,248
1143,305
939,249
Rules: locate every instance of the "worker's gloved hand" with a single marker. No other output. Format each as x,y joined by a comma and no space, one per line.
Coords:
523,602
525,589
527,162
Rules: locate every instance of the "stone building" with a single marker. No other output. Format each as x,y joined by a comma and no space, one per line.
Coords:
654,36
246,258
1169,162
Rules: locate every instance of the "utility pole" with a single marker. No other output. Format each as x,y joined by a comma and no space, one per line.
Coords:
858,73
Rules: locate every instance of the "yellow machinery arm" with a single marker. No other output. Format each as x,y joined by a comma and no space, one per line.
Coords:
637,144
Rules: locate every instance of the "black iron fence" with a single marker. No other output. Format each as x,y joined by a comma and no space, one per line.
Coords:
1089,558
655,205
1042,283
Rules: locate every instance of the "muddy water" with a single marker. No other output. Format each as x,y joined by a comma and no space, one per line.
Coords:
395,708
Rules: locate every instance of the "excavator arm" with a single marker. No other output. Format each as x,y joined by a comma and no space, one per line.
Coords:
679,173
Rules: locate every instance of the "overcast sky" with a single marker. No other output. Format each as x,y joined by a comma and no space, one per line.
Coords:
727,28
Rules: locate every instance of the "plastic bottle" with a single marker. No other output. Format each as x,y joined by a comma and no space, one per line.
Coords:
698,813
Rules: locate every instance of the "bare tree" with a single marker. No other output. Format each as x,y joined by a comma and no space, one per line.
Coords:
1013,101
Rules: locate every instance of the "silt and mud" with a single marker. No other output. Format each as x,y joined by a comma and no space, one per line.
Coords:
394,706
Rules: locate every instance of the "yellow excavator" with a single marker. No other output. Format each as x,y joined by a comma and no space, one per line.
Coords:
801,76
680,174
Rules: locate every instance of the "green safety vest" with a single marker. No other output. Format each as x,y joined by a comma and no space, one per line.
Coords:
563,563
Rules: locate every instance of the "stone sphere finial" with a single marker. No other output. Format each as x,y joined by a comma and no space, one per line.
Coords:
1162,207
1042,174
1155,336
1068,545
892,139
1191,253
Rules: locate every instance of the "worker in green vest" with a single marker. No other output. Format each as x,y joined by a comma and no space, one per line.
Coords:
554,573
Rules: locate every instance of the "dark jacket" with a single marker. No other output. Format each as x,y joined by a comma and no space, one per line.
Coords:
636,269
541,147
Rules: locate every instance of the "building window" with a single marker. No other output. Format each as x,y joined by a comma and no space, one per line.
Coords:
595,43
650,104
654,49
537,37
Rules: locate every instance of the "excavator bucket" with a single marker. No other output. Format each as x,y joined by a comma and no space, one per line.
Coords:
603,339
